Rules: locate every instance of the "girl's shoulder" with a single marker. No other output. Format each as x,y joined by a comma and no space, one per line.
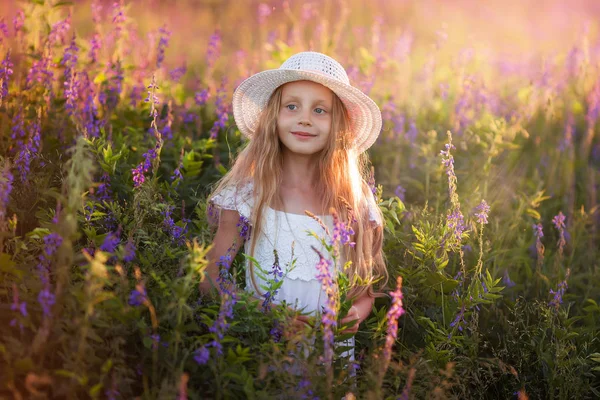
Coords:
238,197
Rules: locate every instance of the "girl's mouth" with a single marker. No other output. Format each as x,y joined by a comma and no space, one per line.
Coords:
301,134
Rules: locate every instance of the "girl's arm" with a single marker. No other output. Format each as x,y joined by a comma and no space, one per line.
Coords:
227,239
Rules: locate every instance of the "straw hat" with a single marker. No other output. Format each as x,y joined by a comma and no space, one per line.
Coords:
252,95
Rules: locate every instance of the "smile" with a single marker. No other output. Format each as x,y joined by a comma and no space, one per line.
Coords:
300,134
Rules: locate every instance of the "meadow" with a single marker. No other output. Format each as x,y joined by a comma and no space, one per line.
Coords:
116,122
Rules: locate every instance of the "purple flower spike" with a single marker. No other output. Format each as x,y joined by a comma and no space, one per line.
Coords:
46,300
137,298
202,355
481,212
111,241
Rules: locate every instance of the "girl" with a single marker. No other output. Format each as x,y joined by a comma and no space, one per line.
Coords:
308,130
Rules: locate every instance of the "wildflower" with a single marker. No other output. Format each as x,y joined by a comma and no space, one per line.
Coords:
276,333
538,230
139,171
481,212
400,192
6,72
202,97
341,233
506,279
559,223
104,191
277,275
392,316
177,73
6,186
46,300
18,21
95,45
111,241
137,297
202,355
264,10
456,224
177,232
59,32
129,251
162,45
136,94
329,310
559,293
459,320
221,110
214,49
20,307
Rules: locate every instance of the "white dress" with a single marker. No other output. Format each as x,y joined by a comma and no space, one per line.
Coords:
289,235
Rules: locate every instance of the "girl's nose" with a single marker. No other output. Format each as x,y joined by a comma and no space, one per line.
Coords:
305,118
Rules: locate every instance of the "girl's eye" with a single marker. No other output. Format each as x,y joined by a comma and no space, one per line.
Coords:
320,111
291,107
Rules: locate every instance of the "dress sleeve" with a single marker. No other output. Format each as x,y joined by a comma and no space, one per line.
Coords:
374,212
237,198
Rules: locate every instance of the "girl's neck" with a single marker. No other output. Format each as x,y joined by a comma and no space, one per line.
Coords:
299,171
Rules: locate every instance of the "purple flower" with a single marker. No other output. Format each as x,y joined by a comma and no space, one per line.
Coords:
400,192
395,311
341,232
177,232
177,73
214,49
137,298
559,293
5,73
456,224
6,186
222,109
459,320
506,280
46,300
20,307
18,21
129,251
59,31
559,221
139,171
481,212
538,231
104,192
95,45
202,97
163,42
243,226
264,10
111,241
277,275
329,311
136,94
202,355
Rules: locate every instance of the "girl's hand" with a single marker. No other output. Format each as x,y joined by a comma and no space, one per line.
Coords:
352,317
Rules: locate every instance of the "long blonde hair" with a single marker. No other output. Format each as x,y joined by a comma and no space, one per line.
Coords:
342,182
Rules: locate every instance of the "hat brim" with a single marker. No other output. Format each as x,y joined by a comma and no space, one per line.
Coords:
252,95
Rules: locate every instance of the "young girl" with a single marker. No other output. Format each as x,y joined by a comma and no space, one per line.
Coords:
308,130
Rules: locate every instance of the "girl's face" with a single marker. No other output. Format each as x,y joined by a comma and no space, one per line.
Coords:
304,120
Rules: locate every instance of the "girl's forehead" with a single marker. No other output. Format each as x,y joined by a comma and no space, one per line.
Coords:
306,87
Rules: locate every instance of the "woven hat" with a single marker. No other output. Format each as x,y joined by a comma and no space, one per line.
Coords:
252,95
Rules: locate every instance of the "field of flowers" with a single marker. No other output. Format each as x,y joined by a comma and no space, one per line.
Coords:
115,120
